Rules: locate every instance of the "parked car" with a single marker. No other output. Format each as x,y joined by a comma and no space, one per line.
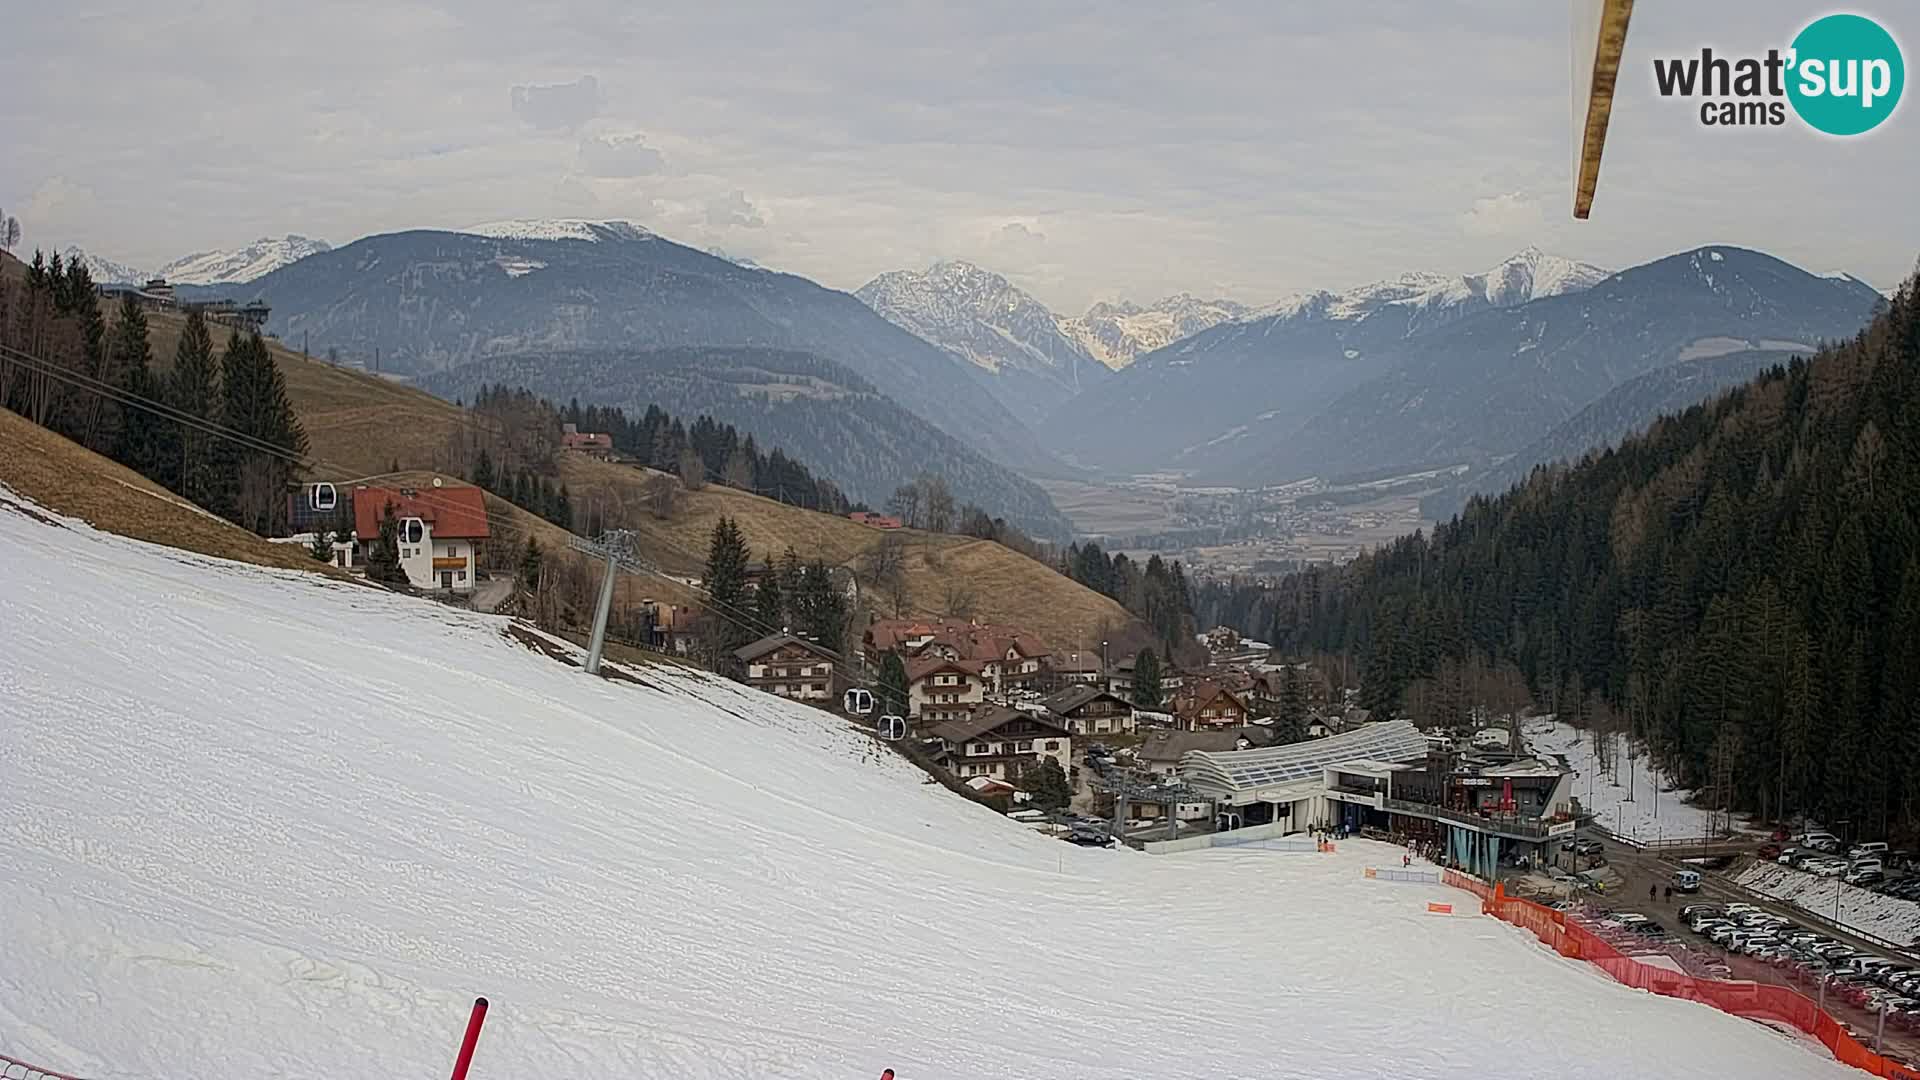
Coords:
1688,911
1588,847
1784,856
1770,851
1865,875
1824,841
1875,848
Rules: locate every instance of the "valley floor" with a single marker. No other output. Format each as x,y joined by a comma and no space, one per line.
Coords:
259,823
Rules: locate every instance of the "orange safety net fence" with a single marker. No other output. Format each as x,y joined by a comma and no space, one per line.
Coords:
1755,1001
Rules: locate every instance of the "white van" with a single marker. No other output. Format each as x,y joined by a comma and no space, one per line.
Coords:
1874,848
1825,841
1687,881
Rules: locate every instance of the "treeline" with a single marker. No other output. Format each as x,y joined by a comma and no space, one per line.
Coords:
63,366
1156,592
708,450
522,434
1739,586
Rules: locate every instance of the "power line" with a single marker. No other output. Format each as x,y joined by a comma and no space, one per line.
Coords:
732,613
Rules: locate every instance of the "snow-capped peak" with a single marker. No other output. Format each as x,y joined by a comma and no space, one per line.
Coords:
1118,331
560,229
973,313
257,259
106,271
1529,274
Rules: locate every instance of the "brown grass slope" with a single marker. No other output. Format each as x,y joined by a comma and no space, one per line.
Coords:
62,475
358,424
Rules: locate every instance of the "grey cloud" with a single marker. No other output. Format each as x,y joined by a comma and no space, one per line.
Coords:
617,155
558,106
733,209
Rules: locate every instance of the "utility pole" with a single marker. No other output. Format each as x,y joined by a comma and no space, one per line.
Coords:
616,547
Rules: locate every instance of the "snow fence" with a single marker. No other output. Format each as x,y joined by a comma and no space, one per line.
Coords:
1754,1001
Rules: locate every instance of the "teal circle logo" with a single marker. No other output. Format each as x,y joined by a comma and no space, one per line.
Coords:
1846,74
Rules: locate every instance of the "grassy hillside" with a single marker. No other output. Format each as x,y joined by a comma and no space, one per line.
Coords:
62,475
359,424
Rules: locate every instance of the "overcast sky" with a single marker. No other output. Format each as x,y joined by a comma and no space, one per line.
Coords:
1088,150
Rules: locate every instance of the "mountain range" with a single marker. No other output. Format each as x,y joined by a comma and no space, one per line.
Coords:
1215,402
429,301
235,265
1537,358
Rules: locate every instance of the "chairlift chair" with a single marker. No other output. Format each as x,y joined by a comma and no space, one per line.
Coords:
322,497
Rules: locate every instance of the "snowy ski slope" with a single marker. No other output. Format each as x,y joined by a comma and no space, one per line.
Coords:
255,825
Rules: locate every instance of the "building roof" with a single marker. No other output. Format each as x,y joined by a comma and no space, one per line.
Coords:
981,721
922,666
1071,698
1200,695
972,641
1174,745
454,513
775,642
1077,663
1394,742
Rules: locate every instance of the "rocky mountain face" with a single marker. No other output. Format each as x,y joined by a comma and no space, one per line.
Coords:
431,301
106,271
1006,335
1117,333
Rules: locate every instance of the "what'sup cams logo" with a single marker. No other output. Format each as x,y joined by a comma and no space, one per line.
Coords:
1841,76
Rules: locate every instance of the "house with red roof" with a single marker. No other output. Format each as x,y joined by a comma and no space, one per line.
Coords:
440,532
1008,658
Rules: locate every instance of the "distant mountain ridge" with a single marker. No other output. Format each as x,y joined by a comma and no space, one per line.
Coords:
1205,402
1492,384
1626,409
825,416
430,300
243,264
234,266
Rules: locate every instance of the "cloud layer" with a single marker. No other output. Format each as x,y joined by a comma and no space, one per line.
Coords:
1086,150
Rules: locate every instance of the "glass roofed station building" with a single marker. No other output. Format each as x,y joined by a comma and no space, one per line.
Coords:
1480,813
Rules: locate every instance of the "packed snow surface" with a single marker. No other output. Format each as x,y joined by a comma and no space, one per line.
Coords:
1885,917
1641,817
259,824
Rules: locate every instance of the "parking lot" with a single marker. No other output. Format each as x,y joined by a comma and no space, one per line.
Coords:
1733,934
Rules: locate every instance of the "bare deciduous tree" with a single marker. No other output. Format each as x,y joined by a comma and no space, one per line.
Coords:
693,471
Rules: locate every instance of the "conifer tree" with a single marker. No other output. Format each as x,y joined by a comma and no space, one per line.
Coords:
1146,680
531,561
770,601
892,691
139,440
1291,724
193,388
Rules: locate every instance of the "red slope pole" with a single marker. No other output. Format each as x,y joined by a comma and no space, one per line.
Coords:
473,1037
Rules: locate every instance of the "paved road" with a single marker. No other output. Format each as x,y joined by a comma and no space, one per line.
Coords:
1641,870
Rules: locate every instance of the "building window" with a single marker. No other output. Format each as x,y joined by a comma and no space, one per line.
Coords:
460,575
1053,744
453,551
1026,747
